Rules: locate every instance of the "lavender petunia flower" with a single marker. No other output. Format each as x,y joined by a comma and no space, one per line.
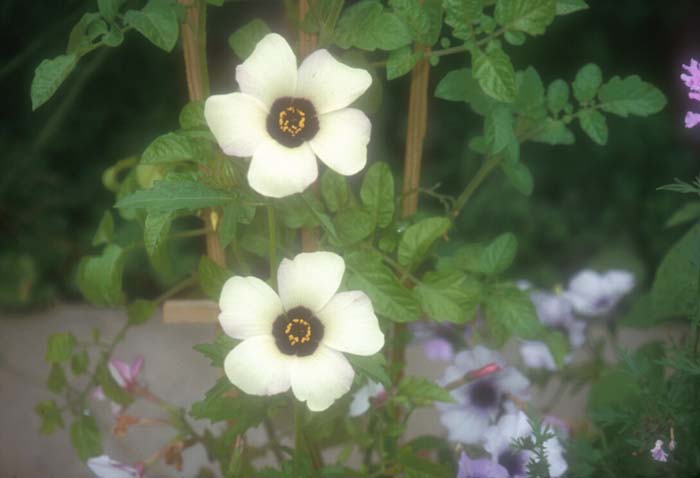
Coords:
658,453
537,355
557,312
481,468
435,339
594,294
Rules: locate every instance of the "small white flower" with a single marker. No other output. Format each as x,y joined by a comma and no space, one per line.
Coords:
556,311
537,355
498,440
104,467
296,339
283,117
594,294
361,399
479,402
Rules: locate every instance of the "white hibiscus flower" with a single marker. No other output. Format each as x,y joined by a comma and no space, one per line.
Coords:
283,117
296,339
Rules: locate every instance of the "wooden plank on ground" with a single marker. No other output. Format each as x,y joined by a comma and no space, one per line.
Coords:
190,312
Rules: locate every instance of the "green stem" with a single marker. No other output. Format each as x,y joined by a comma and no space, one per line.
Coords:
486,167
272,244
179,287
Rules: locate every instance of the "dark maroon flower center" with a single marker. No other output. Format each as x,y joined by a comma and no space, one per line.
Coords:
297,332
292,121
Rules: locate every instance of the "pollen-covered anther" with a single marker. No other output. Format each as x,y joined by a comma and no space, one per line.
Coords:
292,120
298,331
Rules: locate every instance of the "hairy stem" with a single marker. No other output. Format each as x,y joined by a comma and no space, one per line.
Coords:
272,244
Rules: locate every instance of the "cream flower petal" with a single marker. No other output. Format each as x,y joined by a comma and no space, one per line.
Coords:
257,367
270,72
341,141
329,84
237,121
321,378
310,279
277,171
350,324
248,307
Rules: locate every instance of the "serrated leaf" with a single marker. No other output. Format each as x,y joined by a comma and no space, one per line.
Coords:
218,350
172,195
423,391
565,7
401,61
157,21
557,96
85,437
498,129
457,85
155,231
212,277
554,132
353,225
48,76
389,297
519,177
593,123
175,147
461,14
192,115
529,16
418,238
50,415
141,311
498,256
100,277
105,230
630,96
450,296
60,347
510,308
373,366
220,404
587,82
335,190
377,193
413,15
244,40
495,74
515,38
530,101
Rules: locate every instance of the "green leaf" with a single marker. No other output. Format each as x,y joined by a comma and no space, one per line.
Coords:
433,10
499,254
418,238
389,297
413,15
367,26
81,38
141,311
172,195
79,362
354,225
457,85
557,96
176,147
109,9
510,308
50,416
373,366
100,277
377,193
558,345
529,16
564,7
244,40
105,230
155,231
234,214
335,190
111,388
594,125
212,277
587,82
498,129
530,101
554,132
322,18
57,378
423,391
86,437
688,212
450,296
631,96
676,287
157,21
218,350
495,74
519,177
415,466
401,61
461,14
192,115
218,405
48,76
60,347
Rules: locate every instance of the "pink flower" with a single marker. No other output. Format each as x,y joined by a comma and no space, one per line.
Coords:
692,81
126,375
658,453
104,467
692,119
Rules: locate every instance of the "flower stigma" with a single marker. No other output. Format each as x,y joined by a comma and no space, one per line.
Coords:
292,121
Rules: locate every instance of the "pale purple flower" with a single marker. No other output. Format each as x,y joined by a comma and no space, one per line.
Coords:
557,312
126,375
104,467
479,402
435,339
658,453
692,119
362,398
692,81
597,294
481,468
537,355
438,349
498,440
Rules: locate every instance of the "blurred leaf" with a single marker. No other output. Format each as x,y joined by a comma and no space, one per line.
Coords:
415,466
354,225
510,308
155,231
141,311
111,388
234,214
105,230
587,82
60,347
630,96
218,350
461,14
90,27
212,277
367,26
422,391
86,437
100,277
594,125
564,7
175,147
519,177
157,21
50,416
109,9
176,194
322,18
389,297
495,74
373,366
418,238
57,378
531,98
335,190
558,345
499,254
48,76
498,129
401,61
515,38
377,193
192,115
529,16
244,40
79,362
557,96
554,132
450,296
687,213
